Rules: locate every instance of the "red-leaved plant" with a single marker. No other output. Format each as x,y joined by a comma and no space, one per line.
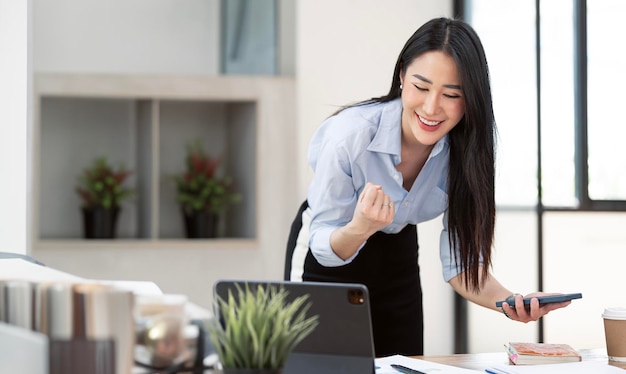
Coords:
199,188
101,186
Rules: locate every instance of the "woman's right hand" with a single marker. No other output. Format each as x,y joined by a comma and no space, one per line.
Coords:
374,209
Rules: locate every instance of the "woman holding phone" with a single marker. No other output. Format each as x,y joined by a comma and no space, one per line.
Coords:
383,165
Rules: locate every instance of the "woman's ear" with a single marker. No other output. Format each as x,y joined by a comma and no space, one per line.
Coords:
401,77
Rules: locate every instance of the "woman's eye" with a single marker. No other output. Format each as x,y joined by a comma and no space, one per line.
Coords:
421,88
452,96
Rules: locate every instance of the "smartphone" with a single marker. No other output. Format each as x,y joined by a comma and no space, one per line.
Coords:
546,299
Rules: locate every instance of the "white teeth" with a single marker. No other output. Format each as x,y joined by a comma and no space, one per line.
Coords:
427,122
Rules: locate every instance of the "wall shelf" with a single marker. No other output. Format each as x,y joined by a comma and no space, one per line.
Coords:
145,122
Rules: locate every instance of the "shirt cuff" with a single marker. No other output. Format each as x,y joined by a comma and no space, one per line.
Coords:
323,252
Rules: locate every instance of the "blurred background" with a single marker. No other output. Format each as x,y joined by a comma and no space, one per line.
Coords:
137,79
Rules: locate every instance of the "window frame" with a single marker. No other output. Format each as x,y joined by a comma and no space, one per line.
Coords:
581,167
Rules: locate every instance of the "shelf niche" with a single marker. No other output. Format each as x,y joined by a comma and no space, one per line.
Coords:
77,121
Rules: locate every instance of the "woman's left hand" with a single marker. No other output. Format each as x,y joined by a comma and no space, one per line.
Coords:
532,312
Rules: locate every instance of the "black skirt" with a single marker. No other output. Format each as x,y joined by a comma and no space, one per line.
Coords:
387,265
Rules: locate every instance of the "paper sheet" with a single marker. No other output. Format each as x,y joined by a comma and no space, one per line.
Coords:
22,351
586,367
19,269
383,366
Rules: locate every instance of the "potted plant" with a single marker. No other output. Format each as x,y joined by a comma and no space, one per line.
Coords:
259,328
102,193
202,194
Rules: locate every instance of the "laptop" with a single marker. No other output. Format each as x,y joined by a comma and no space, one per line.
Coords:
342,342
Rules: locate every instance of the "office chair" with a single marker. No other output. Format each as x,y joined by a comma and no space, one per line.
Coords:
293,237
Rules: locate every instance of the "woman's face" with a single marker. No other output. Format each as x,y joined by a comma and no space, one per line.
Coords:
432,100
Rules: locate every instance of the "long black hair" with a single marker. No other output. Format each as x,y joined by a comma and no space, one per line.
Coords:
471,172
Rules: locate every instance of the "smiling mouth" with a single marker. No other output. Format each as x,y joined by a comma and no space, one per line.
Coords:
428,122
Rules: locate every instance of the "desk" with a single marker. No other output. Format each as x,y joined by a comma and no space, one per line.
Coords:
479,361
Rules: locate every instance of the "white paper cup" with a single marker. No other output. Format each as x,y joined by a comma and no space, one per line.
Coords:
615,333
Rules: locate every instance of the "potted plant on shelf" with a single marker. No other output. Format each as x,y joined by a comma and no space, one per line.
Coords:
258,328
102,193
202,194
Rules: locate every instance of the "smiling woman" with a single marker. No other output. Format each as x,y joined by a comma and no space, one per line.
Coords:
386,164
432,98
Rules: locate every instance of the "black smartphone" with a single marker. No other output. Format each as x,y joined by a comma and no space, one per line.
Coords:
546,299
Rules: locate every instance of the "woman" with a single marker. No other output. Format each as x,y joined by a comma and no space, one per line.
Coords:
385,164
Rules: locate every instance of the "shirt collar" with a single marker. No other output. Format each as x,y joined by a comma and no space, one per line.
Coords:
387,138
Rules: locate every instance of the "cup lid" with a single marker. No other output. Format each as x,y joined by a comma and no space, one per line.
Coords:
614,313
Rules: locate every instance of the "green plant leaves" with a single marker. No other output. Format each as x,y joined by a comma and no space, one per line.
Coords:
260,327
199,188
101,186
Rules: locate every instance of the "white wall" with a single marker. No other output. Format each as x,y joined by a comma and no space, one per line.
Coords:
122,36
15,123
584,252
515,266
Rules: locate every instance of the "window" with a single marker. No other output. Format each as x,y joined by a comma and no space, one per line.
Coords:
606,126
513,82
579,74
556,73
249,37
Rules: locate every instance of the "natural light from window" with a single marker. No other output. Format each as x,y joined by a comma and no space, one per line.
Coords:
507,29
606,78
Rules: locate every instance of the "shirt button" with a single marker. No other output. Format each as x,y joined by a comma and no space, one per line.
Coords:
396,177
405,204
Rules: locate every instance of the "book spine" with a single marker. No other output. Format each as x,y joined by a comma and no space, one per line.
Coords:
513,356
18,304
59,312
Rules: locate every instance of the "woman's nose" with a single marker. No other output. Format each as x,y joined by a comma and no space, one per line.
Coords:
431,104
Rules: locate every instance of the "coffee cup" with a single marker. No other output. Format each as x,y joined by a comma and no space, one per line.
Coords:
615,333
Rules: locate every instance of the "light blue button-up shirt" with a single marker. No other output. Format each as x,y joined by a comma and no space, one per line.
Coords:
359,145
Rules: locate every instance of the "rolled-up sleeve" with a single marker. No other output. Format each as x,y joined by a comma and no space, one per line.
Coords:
450,266
331,195
321,249
448,263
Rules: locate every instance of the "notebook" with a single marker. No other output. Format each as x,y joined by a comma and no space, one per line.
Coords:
342,342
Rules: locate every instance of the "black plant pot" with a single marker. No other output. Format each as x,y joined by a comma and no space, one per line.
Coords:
100,223
200,224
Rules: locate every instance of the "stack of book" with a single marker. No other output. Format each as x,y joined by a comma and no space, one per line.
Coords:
541,353
89,325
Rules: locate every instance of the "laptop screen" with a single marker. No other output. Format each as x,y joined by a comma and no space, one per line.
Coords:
342,341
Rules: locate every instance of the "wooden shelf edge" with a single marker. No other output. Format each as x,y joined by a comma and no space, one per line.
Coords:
220,88
208,244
